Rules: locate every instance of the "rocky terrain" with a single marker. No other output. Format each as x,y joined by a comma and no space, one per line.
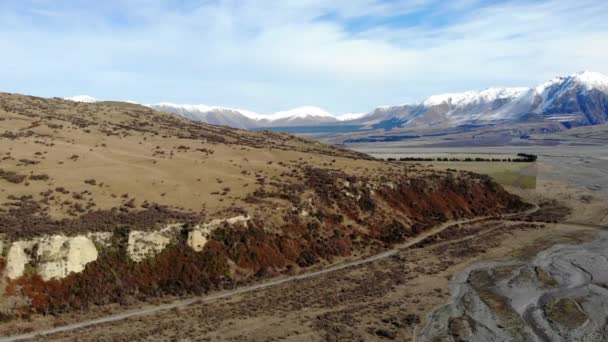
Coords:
115,203
560,295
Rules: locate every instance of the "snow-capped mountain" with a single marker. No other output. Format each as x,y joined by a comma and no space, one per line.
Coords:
574,100
301,116
444,109
239,118
213,115
350,116
473,97
580,98
82,98
300,113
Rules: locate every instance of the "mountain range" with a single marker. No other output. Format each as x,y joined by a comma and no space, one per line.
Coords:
238,118
575,100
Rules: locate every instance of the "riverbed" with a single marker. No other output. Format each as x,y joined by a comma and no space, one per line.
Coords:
559,295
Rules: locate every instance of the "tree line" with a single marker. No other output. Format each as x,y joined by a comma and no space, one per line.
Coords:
521,158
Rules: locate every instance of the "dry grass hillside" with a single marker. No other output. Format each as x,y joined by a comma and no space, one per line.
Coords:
76,158
74,168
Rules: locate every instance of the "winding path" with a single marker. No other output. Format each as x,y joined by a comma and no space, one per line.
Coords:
270,283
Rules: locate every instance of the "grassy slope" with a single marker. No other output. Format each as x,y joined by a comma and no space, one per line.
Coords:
147,155
521,175
75,167
516,174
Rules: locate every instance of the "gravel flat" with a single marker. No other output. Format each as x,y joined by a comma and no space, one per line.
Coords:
559,295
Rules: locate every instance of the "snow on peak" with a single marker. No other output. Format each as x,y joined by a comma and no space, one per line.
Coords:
296,113
81,98
300,112
588,79
350,116
470,97
592,79
201,108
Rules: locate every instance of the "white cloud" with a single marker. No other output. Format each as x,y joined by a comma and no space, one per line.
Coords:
271,55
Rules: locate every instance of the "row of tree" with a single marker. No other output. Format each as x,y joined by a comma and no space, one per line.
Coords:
521,157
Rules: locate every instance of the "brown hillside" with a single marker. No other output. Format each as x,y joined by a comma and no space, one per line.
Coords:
75,168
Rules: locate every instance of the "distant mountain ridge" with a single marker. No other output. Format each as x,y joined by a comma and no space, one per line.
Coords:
244,119
574,100
238,118
82,98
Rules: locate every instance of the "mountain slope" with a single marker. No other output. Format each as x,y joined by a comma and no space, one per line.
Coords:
575,100
581,99
238,118
211,115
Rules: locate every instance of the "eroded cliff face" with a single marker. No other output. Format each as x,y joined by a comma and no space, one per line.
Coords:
198,237
50,257
142,245
57,256
329,215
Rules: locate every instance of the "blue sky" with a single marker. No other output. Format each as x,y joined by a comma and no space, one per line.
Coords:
266,56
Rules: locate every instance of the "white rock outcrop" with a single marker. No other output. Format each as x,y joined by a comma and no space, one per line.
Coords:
197,238
199,235
54,256
144,245
17,258
57,256
232,220
61,256
101,239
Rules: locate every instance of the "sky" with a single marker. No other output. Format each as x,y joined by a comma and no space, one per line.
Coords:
267,56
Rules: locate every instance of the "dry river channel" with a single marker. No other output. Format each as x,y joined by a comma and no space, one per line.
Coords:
559,295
